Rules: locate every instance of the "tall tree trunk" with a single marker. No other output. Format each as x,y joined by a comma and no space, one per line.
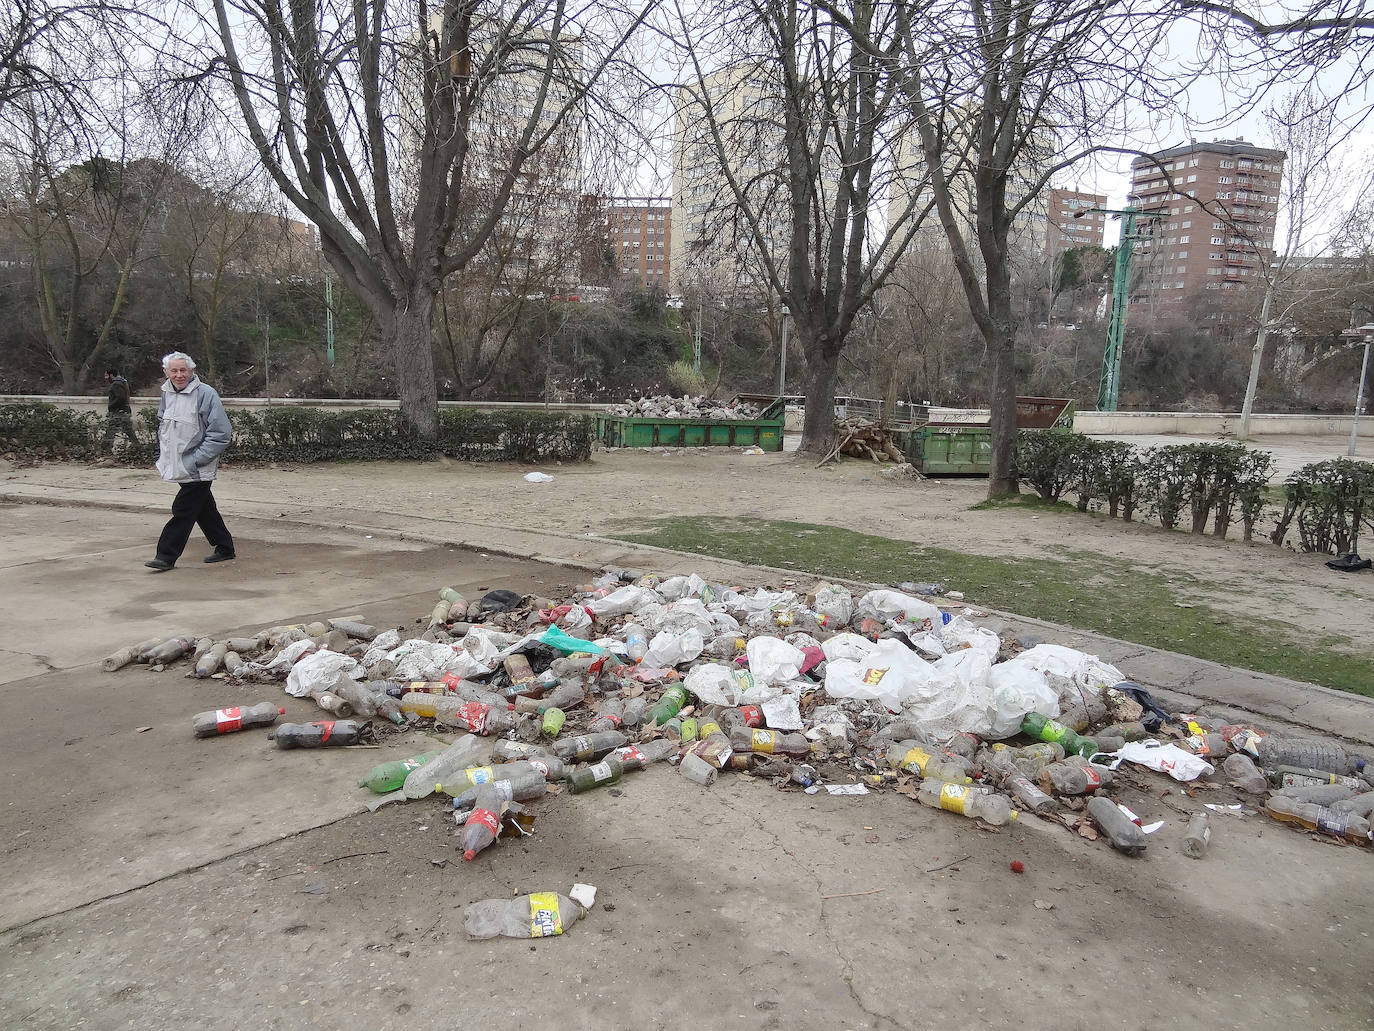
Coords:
412,333
1002,480
818,421
1256,360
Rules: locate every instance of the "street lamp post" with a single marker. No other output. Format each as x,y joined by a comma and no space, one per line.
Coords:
782,358
1367,331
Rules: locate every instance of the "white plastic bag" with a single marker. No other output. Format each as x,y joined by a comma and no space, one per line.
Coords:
288,656
783,713
896,605
626,599
954,697
1069,671
538,478
380,646
677,587
773,661
835,603
1176,762
322,671
1018,689
670,649
715,684
889,674
847,646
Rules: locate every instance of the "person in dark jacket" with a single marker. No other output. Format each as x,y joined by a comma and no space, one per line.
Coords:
118,414
193,431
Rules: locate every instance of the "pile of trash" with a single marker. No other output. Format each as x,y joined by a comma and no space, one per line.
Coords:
815,691
666,406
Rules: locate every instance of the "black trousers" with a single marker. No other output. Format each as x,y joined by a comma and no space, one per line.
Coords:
194,505
118,422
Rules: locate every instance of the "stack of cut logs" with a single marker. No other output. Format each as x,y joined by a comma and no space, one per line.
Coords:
862,439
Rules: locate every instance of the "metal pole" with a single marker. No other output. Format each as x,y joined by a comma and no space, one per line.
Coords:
782,359
696,340
329,320
1359,399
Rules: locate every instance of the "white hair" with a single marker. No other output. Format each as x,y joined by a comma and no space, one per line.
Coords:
178,355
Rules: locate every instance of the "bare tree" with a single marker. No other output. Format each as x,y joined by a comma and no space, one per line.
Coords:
797,138
369,116
1005,94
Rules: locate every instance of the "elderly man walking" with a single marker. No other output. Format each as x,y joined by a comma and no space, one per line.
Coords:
193,430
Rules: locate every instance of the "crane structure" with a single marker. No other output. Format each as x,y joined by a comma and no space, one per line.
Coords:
1110,385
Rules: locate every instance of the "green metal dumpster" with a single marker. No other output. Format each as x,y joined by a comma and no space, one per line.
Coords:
965,447
632,431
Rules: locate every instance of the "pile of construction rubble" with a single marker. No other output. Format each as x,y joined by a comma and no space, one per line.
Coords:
668,407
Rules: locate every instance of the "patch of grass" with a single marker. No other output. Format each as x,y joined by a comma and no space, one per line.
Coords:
1083,590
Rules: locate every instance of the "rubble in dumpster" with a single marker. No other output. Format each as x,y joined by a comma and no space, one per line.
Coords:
687,407
819,691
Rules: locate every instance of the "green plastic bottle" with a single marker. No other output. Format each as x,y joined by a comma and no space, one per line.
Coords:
390,776
673,699
1042,728
584,778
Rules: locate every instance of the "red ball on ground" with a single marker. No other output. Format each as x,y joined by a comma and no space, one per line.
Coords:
1017,866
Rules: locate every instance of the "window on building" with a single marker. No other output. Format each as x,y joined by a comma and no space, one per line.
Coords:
1178,285
1183,239
1213,271
1228,164
1183,254
1193,178
1218,240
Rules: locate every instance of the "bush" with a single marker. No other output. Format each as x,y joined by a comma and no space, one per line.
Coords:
1331,501
304,435
1166,479
1048,461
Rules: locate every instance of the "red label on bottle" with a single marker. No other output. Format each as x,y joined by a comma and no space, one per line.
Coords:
629,754
753,715
486,818
473,715
450,679
326,729
615,720
227,720
1094,779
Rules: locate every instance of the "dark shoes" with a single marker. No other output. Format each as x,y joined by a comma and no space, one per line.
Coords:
159,565
220,556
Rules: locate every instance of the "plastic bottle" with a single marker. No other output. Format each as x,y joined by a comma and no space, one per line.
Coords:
1043,728
483,823
505,751
1004,772
529,786
1319,818
332,703
170,650
1124,835
475,717
636,641
962,744
750,715
1322,794
909,755
465,752
1049,751
226,721
1134,731
635,711
475,776
530,916
673,698
390,776
1208,744
320,734
1301,776
770,742
1199,836
589,747
359,696
1240,768
1361,805
636,757
1065,778
714,746
1310,752
724,646
208,664
965,800
584,778
573,665
609,716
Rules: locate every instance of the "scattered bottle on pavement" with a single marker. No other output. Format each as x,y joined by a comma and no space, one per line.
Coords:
170,650
609,716
770,742
1004,772
528,786
909,755
636,642
320,734
1310,752
588,747
636,757
1199,836
1319,818
529,916
505,751
1134,731
635,711
483,823
1123,833
465,752
1043,728
965,800
598,774
1241,770
1322,794
226,721
475,776
332,703
672,700
1301,776
209,663
389,777
1065,778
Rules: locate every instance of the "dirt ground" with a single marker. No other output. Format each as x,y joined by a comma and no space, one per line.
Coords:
621,489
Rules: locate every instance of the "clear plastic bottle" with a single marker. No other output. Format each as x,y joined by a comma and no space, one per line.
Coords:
1322,794
636,757
226,721
1049,751
965,800
332,703
769,742
636,642
1065,778
1199,836
1304,751
565,696
483,823
598,774
609,716
1124,835
540,915
909,755
1319,818
1133,731
513,751
1240,768
529,786
1002,769
475,776
320,734
962,744
1295,776
589,747
636,709
465,752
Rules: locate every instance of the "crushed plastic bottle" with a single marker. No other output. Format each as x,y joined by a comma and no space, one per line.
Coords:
1124,835
390,776
226,721
966,800
1198,837
320,734
910,756
1240,768
540,915
1319,818
465,752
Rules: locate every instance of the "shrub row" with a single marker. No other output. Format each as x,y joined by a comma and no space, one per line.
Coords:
37,430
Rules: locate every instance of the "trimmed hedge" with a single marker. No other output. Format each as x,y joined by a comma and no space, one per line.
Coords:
37,430
1331,501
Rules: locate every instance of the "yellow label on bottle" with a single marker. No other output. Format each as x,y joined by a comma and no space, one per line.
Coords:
953,797
763,740
544,919
479,774
705,730
916,758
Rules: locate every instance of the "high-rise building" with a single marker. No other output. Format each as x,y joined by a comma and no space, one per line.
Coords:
1071,222
1217,204
639,233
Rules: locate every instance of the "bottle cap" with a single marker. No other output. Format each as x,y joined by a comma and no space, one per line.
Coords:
469,855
